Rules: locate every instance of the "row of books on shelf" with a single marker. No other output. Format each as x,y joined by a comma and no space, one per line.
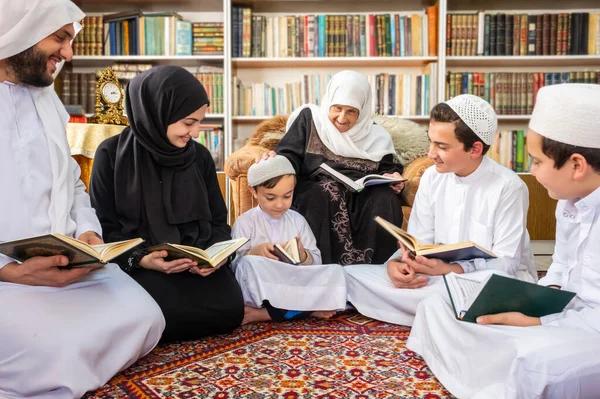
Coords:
139,33
509,149
319,35
392,94
503,34
211,137
512,93
80,88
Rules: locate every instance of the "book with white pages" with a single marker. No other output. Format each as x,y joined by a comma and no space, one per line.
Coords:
363,182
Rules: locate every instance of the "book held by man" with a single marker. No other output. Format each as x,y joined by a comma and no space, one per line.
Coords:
447,252
289,252
79,253
362,183
206,258
494,294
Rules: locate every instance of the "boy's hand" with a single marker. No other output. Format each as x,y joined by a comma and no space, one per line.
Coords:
265,250
431,267
403,276
510,319
302,251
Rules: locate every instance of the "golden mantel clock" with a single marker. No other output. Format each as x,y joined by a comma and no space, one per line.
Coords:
109,100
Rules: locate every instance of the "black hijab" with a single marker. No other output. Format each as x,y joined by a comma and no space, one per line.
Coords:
159,188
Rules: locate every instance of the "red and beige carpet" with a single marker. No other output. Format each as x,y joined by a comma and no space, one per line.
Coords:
349,356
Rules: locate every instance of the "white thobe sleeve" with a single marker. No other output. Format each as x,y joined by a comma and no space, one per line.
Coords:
508,232
5,260
554,275
310,242
239,230
82,212
586,319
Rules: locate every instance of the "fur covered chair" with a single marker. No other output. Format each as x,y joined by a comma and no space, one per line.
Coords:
409,138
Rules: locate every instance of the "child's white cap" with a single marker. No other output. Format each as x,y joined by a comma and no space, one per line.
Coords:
478,114
568,113
269,168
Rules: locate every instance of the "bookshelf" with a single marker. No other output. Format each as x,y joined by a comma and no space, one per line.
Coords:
279,71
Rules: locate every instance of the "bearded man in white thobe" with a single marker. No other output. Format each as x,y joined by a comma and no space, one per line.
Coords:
464,196
62,331
556,356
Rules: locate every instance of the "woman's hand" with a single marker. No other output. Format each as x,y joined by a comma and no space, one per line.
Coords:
155,261
206,271
397,187
265,155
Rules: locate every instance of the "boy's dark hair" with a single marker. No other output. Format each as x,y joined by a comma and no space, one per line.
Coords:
561,152
272,182
443,113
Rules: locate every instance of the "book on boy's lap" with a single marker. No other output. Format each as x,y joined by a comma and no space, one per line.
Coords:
79,253
447,252
289,252
207,258
362,183
472,298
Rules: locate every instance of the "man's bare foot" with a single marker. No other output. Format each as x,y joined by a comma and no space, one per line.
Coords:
253,315
323,314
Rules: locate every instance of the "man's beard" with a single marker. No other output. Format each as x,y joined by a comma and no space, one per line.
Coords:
30,67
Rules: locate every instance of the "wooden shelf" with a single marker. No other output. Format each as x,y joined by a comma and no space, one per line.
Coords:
257,119
524,61
285,62
185,59
506,118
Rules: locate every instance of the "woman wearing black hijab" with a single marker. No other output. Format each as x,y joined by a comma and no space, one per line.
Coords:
153,181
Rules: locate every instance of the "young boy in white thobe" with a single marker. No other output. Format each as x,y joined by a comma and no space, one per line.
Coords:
310,288
62,332
465,196
555,356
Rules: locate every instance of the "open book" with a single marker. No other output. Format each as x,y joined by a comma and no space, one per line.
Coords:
447,252
289,252
209,257
497,294
360,184
79,253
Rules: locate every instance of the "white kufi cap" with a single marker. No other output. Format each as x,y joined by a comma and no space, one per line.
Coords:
568,113
269,168
478,114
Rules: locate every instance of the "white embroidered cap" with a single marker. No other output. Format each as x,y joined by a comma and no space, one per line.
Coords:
568,113
478,114
269,168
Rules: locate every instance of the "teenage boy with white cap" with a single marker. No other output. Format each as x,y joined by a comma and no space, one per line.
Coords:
555,356
311,288
465,196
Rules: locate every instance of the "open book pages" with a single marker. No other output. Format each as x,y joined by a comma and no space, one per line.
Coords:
463,291
289,252
79,253
209,257
474,296
360,184
466,250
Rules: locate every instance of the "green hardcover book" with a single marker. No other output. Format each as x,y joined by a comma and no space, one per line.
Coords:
388,35
520,158
472,298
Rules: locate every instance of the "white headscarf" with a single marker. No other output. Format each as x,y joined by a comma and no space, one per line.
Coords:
365,140
23,24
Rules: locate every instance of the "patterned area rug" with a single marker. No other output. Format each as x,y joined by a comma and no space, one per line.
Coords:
349,356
